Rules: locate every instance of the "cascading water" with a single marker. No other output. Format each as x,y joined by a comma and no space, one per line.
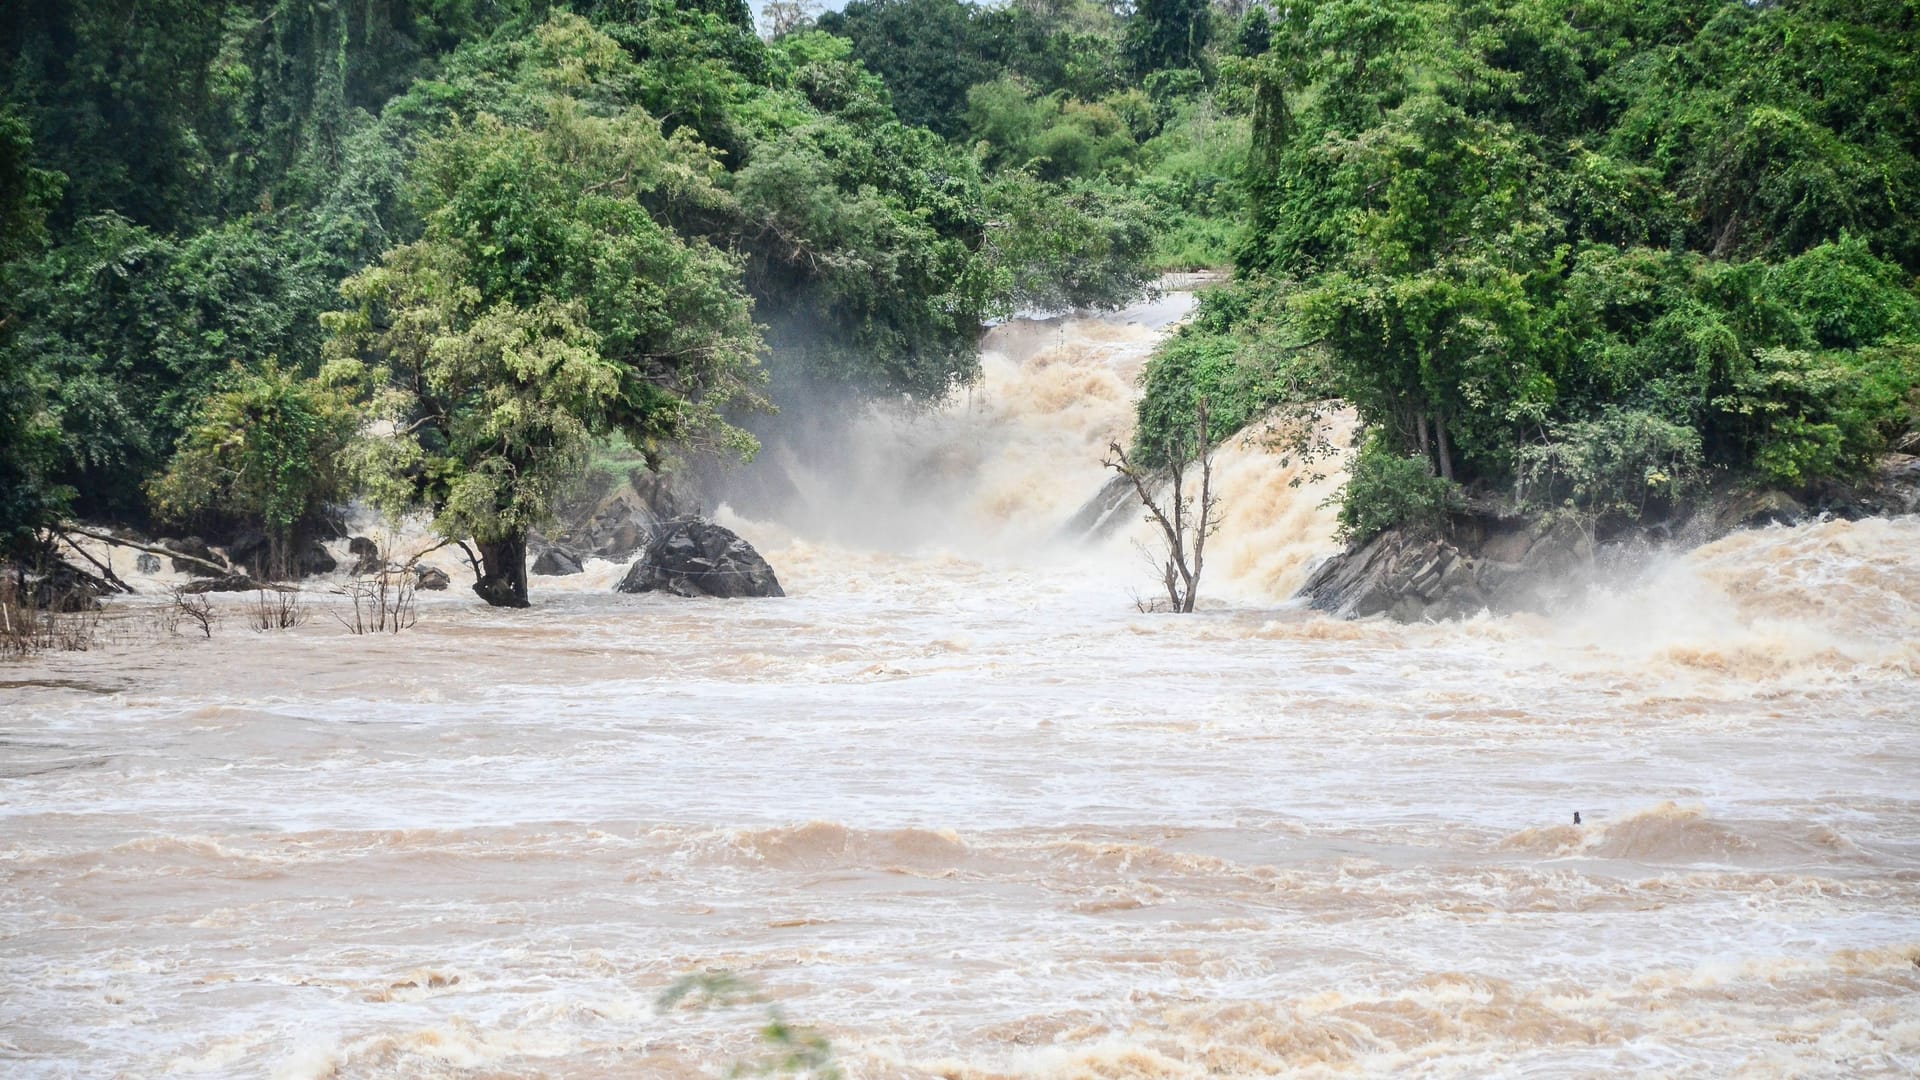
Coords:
960,807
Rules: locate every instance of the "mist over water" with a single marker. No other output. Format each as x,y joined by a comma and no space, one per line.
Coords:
962,808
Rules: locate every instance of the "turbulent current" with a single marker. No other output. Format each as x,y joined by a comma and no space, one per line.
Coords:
958,808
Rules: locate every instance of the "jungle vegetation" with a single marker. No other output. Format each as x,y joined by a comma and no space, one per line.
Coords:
1590,255
259,256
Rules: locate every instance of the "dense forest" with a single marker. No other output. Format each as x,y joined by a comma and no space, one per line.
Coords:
258,257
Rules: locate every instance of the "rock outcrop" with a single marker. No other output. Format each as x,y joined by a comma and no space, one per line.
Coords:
1498,560
229,583
251,551
366,556
693,557
1414,577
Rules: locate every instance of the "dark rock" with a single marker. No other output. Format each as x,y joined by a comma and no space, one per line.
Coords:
249,551
229,583
432,579
624,540
1759,509
146,563
366,557
620,521
692,557
198,549
1415,577
556,562
1493,557
1116,504
1402,575
314,559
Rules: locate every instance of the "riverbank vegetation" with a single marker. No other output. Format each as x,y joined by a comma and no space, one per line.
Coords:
1589,256
258,257
261,255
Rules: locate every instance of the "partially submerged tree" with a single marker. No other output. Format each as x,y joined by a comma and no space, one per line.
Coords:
1185,519
543,305
264,448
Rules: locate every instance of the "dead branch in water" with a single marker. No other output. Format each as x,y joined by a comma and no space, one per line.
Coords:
1185,522
223,571
196,608
382,602
105,570
277,609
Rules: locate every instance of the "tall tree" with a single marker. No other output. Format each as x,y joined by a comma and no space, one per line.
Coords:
543,305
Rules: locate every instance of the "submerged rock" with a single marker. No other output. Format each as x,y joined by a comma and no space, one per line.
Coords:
692,557
229,583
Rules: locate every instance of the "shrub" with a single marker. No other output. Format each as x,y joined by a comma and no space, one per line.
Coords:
1623,463
1387,490
1807,416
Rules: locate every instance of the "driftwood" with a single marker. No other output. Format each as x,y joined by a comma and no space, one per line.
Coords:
223,571
105,570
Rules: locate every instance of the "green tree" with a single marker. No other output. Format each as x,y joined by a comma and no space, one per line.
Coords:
543,305
1164,34
264,447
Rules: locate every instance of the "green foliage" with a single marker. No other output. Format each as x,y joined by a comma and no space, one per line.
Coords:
1621,464
1802,415
544,304
1164,34
127,331
1596,249
263,447
1389,489
1055,247
928,51
1242,360
1053,135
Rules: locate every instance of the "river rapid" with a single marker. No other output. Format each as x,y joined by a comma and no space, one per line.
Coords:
959,808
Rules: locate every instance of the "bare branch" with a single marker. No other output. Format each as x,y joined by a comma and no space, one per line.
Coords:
150,549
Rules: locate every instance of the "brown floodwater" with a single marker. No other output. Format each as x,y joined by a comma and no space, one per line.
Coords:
958,807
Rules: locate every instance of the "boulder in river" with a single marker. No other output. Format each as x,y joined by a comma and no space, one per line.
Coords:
693,557
314,559
556,562
194,548
229,583
366,556
432,579
146,563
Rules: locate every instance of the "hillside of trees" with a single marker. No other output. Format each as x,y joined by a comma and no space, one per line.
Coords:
261,256
1593,256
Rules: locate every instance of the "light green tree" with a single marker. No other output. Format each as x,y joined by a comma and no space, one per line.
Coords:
544,304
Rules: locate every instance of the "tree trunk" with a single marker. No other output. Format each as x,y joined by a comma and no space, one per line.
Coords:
503,576
1446,451
1426,450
